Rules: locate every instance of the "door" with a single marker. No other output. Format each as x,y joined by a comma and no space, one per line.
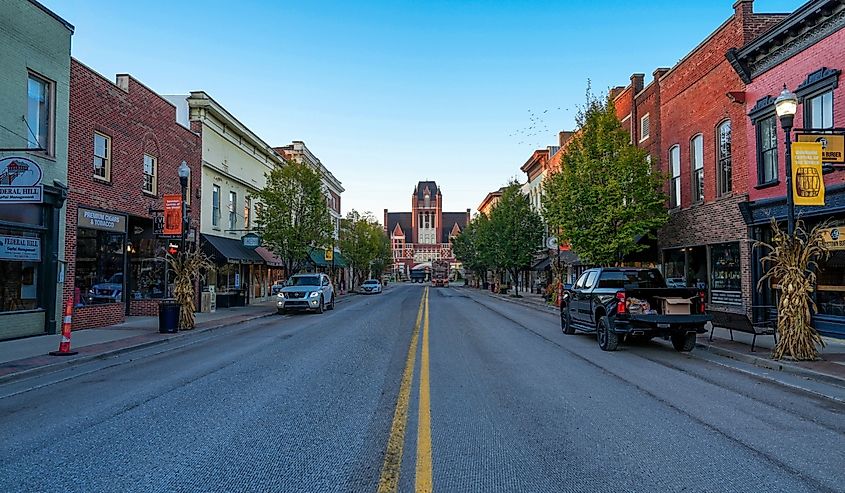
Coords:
575,297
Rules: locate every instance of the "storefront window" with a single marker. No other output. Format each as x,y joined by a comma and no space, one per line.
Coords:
147,268
99,266
726,274
830,287
19,261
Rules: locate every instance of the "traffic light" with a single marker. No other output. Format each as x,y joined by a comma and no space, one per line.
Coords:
172,248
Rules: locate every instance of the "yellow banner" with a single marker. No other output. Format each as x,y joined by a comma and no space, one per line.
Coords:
807,179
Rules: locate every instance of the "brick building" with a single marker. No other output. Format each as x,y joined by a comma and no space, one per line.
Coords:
125,147
805,52
425,233
701,101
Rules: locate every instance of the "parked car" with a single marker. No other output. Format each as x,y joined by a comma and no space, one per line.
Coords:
616,303
110,291
371,286
312,292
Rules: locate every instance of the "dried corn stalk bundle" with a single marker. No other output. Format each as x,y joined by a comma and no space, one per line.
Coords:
187,268
792,262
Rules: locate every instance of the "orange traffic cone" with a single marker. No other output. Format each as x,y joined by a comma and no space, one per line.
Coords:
64,345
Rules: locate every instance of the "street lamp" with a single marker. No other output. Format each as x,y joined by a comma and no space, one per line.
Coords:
184,173
785,106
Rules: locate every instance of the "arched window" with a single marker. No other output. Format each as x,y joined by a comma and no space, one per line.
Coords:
723,157
675,180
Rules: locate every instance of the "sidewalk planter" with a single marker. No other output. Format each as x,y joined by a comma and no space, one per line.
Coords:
168,317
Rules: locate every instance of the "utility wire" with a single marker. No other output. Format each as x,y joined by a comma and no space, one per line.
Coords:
15,133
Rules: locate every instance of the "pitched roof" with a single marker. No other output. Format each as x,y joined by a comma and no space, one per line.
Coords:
450,220
400,219
421,186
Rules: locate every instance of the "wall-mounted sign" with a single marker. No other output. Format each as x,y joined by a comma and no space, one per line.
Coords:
20,248
251,240
833,146
834,238
807,181
172,215
726,297
106,221
20,181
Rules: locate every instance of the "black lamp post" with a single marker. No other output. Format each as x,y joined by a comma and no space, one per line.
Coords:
184,173
785,106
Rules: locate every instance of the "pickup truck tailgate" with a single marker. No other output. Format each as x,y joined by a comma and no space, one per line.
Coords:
661,320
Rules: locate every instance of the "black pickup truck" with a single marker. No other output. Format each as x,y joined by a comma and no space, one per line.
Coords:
621,302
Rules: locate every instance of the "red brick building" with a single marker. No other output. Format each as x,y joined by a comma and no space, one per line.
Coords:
124,151
702,101
805,52
425,233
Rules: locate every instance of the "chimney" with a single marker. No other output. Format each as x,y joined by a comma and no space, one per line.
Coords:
660,72
616,91
469,211
743,10
385,221
637,82
564,136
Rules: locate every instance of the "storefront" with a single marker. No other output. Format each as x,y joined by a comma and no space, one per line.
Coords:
715,268
149,279
231,279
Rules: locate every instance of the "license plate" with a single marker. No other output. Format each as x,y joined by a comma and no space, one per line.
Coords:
663,326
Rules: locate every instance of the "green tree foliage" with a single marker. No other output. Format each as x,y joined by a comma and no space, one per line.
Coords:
364,244
606,195
294,217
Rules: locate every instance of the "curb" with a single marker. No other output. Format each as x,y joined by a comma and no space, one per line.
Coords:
39,370
772,365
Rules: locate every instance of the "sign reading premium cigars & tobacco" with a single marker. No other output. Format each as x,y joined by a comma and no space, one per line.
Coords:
106,221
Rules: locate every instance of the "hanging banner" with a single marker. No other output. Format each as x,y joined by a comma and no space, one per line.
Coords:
172,215
807,181
833,146
20,181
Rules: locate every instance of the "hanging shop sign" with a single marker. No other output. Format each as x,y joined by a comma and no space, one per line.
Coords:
834,238
329,255
20,248
106,221
833,146
20,181
251,240
172,215
807,181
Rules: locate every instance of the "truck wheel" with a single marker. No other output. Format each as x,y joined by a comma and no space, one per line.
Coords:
608,340
684,342
566,321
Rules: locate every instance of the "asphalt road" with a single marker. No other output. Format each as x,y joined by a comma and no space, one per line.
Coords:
509,403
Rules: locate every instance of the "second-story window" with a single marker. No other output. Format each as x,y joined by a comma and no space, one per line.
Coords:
39,113
645,127
233,215
767,150
696,151
723,157
102,157
675,181
818,111
215,205
150,175
247,211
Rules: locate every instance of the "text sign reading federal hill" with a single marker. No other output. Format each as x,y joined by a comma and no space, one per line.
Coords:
20,181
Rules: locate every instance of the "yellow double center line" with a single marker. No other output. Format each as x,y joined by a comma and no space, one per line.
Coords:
389,479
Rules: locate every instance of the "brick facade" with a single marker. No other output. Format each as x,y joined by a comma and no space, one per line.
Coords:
138,121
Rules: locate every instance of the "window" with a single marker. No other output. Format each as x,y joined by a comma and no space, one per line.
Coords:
645,127
723,157
591,279
818,111
150,184
19,285
247,210
696,151
726,274
102,157
233,217
39,114
215,205
675,182
99,266
767,150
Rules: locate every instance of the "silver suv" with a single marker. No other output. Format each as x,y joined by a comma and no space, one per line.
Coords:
306,292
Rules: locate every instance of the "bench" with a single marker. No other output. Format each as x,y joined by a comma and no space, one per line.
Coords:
742,323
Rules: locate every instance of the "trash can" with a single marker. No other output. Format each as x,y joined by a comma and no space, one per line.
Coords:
168,317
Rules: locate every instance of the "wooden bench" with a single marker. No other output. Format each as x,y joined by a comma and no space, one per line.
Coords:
742,323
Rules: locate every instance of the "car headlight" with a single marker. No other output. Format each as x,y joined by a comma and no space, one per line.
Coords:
281,295
314,294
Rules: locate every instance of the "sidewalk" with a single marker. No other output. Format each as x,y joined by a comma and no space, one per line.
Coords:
830,368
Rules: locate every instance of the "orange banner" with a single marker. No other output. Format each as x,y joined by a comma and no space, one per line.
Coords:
172,215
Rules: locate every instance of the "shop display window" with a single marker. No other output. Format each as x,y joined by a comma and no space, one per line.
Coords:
18,280
830,285
147,268
99,266
726,272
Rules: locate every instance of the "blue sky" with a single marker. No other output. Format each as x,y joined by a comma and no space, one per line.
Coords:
390,93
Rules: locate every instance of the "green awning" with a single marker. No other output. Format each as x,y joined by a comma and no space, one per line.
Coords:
318,257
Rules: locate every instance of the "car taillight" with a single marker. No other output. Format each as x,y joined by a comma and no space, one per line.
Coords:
620,303
702,305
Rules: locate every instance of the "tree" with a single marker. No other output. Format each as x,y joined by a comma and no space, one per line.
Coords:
472,247
518,232
294,217
606,195
364,243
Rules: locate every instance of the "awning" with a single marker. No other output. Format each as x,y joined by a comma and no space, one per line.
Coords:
269,257
229,250
317,257
567,257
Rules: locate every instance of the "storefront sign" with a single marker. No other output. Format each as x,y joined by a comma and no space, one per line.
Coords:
172,215
833,146
726,297
329,255
834,238
20,248
20,181
807,181
106,221
251,240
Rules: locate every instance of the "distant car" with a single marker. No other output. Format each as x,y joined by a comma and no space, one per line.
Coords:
312,292
371,286
110,291
675,282
277,287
